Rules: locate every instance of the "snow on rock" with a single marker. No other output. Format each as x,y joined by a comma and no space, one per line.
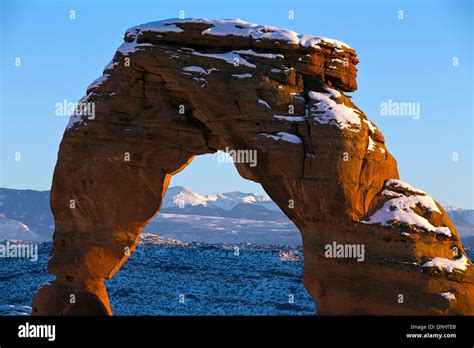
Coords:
198,69
76,117
290,118
200,80
261,55
166,26
291,138
98,82
264,103
228,57
111,65
131,47
447,264
237,27
390,193
371,126
398,184
326,110
334,93
371,145
400,208
312,41
448,295
242,76
337,60
298,96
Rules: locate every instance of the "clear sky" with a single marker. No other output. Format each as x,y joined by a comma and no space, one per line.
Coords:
403,60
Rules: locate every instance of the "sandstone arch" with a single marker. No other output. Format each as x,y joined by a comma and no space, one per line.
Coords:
237,83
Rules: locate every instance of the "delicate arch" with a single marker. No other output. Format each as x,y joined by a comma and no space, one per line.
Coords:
181,88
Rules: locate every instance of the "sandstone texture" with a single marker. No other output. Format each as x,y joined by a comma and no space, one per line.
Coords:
180,88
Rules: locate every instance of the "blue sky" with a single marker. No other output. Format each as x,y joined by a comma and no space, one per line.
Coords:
405,60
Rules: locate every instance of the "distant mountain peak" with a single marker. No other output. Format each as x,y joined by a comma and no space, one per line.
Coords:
26,214
182,196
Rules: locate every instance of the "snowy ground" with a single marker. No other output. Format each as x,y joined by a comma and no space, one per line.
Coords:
164,277
216,229
169,277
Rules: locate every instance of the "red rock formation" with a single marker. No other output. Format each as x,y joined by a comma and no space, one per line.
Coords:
181,88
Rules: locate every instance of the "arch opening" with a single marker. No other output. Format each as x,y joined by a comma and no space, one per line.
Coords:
227,251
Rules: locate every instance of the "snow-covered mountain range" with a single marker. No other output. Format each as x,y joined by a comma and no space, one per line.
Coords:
231,217
181,197
25,215
461,217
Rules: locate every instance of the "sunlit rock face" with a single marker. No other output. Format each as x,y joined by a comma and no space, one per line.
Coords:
180,88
